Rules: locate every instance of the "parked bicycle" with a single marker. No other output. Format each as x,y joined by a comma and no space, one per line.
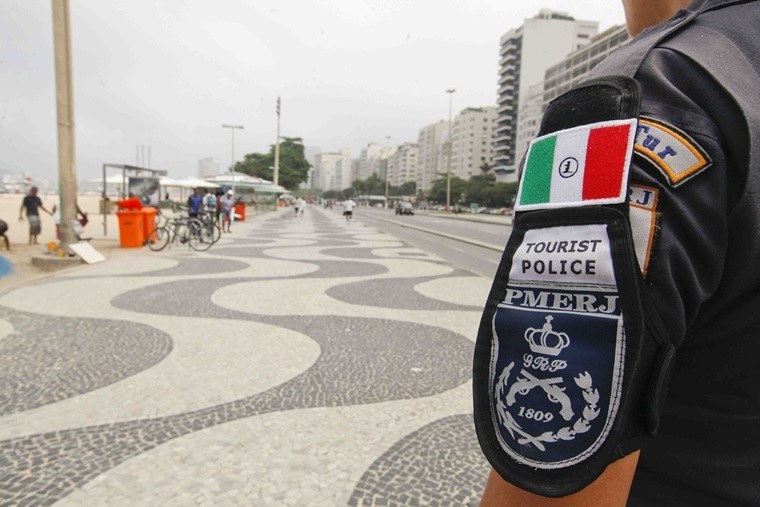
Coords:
182,229
212,228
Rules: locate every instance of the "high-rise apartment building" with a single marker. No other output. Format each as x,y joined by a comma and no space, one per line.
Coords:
208,167
369,160
573,69
403,164
525,54
560,78
430,159
472,145
325,171
529,118
344,175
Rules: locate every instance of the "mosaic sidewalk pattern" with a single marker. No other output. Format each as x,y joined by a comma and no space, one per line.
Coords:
300,361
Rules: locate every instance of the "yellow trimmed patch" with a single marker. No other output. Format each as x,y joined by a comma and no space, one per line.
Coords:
677,156
642,202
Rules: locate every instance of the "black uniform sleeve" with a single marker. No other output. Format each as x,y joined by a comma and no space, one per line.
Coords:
572,368
690,237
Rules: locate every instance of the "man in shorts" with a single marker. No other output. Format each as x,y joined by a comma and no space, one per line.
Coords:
348,209
33,204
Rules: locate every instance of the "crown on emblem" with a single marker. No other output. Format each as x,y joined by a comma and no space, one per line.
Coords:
545,340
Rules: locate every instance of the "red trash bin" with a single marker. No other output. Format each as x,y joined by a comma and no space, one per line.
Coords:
130,228
240,211
149,221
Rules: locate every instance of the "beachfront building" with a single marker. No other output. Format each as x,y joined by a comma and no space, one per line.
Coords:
525,54
472,145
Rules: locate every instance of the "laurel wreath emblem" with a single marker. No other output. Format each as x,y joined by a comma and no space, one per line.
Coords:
580,425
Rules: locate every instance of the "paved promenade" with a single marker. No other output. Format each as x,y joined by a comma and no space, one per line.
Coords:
299,362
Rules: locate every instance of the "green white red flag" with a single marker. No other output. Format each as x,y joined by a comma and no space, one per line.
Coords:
581,166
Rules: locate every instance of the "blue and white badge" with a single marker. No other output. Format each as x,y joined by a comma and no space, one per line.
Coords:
558,348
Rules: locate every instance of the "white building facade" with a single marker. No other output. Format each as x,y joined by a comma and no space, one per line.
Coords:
431,158
403,164
525,54
369,160
208,167
573,69
472,145
324,170
344,174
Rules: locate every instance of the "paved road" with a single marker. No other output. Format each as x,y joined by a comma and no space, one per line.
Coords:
301,361
472,243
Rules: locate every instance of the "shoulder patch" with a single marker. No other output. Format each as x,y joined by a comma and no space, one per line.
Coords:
642,202
557,365
580,166
676,155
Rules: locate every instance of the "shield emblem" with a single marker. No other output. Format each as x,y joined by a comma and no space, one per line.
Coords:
555,375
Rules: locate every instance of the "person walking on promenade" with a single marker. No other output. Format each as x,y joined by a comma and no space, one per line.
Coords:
646,392
33,204
227,208
348,209
300,206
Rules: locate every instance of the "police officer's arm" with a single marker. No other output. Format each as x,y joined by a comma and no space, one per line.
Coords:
609,490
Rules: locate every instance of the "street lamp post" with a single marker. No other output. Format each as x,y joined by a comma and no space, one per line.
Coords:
450,91
387,166
276,170
232,165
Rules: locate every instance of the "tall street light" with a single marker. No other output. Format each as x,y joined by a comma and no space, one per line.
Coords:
232,165
276,169
387,166
450,91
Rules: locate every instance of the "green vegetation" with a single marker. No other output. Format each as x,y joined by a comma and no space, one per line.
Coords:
294,168
482,189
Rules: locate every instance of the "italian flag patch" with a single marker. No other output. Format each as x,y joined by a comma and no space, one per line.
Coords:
581,166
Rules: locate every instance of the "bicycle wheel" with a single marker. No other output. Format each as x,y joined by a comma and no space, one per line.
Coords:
158,239
198,236
216,232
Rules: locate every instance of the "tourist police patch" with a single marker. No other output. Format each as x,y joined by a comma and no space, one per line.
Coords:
557,348
677,156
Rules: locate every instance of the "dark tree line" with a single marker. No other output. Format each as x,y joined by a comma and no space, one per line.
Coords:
294,168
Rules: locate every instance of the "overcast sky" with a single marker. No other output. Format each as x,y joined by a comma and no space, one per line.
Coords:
167,74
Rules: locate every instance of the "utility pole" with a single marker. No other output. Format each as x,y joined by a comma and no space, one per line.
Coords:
276,170
67,181
448,155
387,166
232,165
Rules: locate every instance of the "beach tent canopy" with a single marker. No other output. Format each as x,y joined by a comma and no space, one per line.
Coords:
166,181
241,180
195,183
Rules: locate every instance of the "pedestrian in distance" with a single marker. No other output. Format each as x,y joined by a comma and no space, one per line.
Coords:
210,204
616,359
300,206
3,233
227,207
194,204
348,209
32,203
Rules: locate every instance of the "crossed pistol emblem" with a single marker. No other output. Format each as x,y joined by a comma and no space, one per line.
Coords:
554,393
